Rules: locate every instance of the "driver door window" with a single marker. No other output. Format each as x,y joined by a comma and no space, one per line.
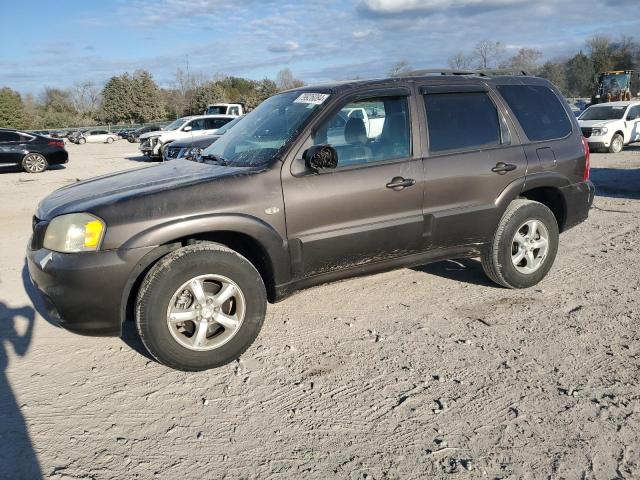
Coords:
368,131
197,124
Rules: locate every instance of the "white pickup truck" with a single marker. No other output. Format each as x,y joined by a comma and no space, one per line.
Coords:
234,109
611,126
372,122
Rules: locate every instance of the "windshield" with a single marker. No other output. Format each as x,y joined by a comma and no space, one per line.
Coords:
176,124
259,136
221,110
615,82
604,112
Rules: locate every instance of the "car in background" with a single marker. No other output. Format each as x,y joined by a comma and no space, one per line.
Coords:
96,135
33,153
134,135
153,143
611,126
191,149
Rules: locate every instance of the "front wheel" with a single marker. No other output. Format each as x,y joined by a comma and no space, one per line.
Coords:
82,141
109,139
34,163
617,143
524,246
200,307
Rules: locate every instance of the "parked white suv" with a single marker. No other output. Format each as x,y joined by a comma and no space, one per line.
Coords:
152,144
612,125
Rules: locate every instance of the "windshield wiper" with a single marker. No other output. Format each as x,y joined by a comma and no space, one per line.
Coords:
215,158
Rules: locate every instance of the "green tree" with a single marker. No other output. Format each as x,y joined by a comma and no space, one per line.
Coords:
554,71
210,92
600,52
12,114
580,76
147,103
117,97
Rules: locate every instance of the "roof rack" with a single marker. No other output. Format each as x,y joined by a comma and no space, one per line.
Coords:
481,73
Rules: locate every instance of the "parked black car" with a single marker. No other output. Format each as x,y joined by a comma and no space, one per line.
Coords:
134,136
34,153
303,191
192,148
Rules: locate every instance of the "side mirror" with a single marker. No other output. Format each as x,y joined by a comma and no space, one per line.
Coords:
188,128
320,157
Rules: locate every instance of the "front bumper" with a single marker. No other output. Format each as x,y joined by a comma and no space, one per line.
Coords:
150,146
578,199
84,292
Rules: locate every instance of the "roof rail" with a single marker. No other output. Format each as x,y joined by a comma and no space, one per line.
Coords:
481,73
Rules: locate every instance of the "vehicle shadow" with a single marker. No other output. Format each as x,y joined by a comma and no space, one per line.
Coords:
18,169
467,270
617,182
138,158
17,456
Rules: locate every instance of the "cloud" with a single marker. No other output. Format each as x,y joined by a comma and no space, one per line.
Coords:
383,8
289,46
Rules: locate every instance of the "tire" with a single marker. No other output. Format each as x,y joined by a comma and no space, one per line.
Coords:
617,143
34,163
109,139
166,293
82,141
499,258
131,139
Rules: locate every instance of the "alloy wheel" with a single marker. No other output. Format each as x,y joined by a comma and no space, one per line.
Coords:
34,163
529,246
206,312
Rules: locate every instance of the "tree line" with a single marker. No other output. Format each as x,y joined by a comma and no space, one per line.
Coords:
134,98
575,75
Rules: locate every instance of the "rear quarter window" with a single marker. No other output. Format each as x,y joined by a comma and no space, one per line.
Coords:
539,111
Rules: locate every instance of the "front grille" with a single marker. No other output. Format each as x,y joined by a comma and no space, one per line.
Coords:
587,131
39,229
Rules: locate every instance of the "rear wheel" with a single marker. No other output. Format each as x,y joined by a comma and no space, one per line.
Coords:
34,163
200,307
524,246
617,143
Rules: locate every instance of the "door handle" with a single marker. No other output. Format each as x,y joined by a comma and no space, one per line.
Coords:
398,183
503,168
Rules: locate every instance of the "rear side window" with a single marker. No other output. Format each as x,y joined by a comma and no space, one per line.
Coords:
9,137
461,121
538,110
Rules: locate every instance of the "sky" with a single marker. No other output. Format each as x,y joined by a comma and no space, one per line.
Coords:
55,44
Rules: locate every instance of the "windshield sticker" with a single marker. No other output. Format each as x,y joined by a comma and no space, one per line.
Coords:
312,98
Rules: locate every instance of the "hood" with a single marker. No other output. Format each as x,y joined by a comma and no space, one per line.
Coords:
90,195
596,123
155,133
200,141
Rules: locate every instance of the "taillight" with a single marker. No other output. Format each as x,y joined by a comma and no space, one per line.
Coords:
587,159
57,143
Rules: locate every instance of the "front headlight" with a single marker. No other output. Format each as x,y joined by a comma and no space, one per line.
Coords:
599,131
193,153
76,232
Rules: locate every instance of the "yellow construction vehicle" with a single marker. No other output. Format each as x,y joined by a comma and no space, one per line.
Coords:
613,86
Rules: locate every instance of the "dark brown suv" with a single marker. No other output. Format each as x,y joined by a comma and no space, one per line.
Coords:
316,184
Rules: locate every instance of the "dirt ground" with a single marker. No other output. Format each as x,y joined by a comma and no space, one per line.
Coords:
430,372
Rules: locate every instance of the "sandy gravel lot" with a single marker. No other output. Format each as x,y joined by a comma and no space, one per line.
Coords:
417,373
